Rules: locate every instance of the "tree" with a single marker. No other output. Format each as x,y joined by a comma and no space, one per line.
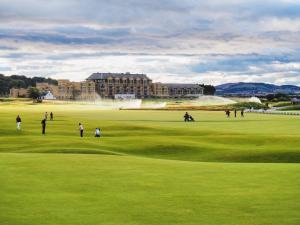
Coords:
208,89
34,93
278,97
18,81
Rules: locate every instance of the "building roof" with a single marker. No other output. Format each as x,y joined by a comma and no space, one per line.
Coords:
101,76
182,85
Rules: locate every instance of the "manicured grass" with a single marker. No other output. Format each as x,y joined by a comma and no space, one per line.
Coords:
148,168
291,108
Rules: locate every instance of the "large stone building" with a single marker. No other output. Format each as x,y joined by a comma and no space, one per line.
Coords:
88,91
184,90
18,93
45,88
160,90
68,90
108,85
112,85
115,86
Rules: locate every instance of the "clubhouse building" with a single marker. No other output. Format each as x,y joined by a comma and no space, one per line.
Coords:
116,86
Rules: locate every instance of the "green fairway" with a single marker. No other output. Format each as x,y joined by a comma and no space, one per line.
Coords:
148,168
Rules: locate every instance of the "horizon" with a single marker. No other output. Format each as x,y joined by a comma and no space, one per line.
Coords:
268,83
170,41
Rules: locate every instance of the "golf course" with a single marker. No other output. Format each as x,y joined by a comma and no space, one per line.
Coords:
148,167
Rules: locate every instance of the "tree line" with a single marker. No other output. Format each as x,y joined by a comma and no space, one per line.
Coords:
208,89
20,81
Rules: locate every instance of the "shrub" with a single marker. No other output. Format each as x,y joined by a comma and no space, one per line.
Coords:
249,105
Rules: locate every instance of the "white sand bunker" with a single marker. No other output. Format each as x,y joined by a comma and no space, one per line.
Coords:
120,104
136,104
254,99
159,105
206,100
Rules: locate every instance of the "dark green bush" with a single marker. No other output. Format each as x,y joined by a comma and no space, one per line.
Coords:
249,105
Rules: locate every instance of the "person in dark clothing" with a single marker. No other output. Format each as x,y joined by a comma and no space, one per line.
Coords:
191,119
81,129
242,113
43,126
186,117
18,121
227,113
235,112
51,116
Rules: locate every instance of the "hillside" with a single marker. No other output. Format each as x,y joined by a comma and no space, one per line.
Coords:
255,88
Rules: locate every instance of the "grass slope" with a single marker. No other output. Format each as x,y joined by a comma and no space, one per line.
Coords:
88,189
124,177
158,134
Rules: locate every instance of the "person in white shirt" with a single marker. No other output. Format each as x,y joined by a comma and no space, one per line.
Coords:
81,129
18,121
97,132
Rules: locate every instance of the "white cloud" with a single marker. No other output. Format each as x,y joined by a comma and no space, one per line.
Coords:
163,38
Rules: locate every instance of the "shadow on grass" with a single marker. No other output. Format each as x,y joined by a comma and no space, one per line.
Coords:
74,151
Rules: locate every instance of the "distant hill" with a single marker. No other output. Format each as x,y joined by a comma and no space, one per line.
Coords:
255,89
19,81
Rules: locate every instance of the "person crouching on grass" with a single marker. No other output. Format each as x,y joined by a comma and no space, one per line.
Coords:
81,129
186,117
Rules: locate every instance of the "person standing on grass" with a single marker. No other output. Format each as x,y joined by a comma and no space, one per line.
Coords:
51,116
43,126
18,121
97,132
242,113
227,113
235,112
81,129
46,115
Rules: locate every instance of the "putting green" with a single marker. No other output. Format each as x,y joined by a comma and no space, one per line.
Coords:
148,168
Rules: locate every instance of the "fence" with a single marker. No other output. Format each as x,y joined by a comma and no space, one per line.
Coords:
274,112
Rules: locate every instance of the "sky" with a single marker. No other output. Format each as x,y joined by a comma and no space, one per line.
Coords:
190,41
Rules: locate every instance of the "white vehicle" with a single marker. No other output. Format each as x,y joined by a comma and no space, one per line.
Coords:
124,96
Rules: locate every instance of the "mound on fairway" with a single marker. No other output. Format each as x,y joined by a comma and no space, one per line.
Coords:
149,167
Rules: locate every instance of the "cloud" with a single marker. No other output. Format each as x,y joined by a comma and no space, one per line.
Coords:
171,40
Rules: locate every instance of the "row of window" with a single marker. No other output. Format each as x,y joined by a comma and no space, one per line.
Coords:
125,81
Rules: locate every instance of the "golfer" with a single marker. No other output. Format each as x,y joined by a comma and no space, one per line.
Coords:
97,132
43,126
186,117
18,121
81,129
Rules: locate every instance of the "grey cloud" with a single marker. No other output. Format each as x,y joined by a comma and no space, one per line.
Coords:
199,37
